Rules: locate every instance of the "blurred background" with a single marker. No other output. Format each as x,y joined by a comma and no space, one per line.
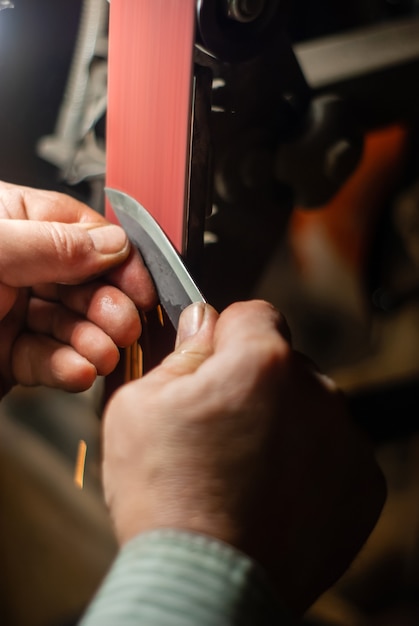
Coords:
324,222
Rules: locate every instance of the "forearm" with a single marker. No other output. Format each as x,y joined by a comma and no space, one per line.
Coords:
171,578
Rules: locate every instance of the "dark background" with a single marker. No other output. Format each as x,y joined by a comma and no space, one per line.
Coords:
36,44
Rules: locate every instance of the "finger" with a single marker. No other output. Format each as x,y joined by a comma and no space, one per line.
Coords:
8,297
253,318
194,344
47,291
248,327
251,347
56,252
39,360
10,326
194,341
26,203
133,279
107,307
87,339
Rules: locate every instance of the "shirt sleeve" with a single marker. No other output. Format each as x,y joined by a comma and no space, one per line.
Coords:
175,578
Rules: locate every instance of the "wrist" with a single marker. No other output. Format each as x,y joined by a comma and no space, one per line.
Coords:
198,578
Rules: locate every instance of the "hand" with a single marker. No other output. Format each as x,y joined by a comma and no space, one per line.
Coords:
235,436
53,330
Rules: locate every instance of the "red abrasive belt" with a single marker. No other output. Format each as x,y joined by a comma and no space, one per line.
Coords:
149,103
151,46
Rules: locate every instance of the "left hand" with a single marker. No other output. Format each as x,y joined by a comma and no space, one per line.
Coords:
70,285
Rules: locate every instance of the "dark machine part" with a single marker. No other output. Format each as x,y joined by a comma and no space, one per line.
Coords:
237,30
251,94
284,125
319,158
374,69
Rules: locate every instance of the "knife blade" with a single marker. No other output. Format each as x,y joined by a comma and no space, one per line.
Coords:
175,286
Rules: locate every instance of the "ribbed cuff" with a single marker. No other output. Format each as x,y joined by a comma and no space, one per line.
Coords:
175,578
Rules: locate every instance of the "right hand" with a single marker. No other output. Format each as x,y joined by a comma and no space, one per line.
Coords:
235,436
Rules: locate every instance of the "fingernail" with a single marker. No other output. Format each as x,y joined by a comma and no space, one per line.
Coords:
109,239
190,322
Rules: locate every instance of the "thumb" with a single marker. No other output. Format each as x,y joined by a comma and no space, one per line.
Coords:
194,342
52,252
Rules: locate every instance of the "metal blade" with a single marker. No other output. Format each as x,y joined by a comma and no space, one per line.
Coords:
175,286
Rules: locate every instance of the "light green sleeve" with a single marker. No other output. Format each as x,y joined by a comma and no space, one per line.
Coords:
175,578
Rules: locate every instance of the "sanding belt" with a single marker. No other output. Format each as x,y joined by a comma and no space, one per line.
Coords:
151,46
149,92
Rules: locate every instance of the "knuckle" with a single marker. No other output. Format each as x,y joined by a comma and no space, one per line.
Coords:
183,362
274,354
66,241
267,343
269,360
